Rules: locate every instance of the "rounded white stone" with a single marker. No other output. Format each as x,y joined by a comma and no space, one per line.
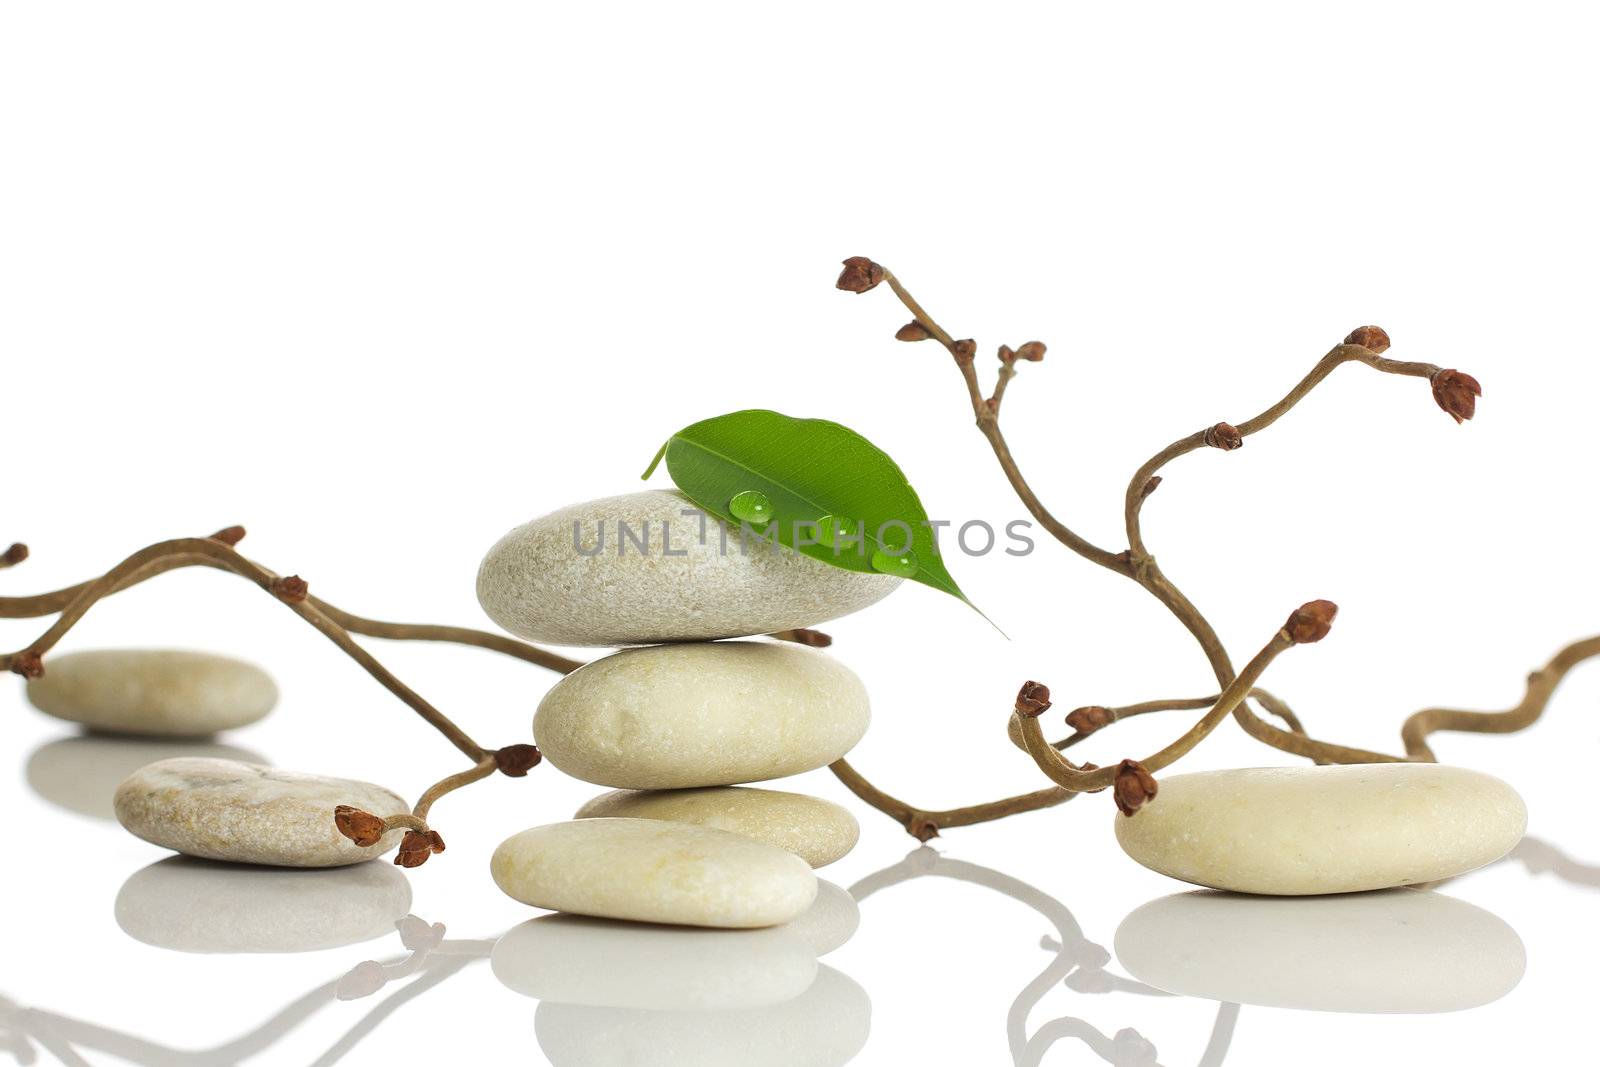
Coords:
1400,950
81,773
675,716
652,871
538,584
816,830
198,906
225,810
1291,831
832,919
575,960
826,1026
153,692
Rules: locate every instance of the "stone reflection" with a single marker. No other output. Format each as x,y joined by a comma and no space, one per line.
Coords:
1396,951
81,772
638,994
194,905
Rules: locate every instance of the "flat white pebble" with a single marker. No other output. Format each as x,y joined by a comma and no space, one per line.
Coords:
816,830
652,871
720,713
826,1026
606,963
195,905
153,692
239,812
537,582
1401,950
1291,831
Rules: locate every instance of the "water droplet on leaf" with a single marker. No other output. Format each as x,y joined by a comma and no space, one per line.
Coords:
901,566
751,506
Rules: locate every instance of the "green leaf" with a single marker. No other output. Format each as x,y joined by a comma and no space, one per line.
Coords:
807,471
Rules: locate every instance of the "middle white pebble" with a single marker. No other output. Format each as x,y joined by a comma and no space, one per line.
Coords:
691,715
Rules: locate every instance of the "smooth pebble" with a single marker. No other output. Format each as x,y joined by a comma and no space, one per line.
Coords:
195,905
1292,831
647,870
721,713
538,583
1400,950
243,813
153,692
816,830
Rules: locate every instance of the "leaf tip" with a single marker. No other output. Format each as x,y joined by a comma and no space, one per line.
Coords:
654,463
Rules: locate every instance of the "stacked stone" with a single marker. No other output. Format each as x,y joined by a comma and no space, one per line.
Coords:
679,726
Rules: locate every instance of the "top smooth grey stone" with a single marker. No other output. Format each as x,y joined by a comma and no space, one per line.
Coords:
691,582
153,692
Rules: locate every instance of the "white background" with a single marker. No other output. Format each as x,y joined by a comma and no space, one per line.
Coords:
380,281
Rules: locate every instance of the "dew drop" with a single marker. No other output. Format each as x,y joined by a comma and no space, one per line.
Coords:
836,530
901,566
751,506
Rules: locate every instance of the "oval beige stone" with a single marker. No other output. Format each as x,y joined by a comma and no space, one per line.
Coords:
679,716
816,830
647,870
221,809
1293,831
153,692
1399,950
678,585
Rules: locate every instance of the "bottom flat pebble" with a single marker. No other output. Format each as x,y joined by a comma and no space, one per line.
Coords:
1295,831
818,831
220,809
647,870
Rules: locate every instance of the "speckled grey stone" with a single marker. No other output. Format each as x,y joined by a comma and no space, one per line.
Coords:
192,905
683,716
243,813
153,692
537,584
816,830
826,1026
1292,831
647,870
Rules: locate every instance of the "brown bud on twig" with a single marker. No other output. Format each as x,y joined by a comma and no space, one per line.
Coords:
1457,393
1033,700
1311,622
1151,486
1033,351
1133,786
515,761
1224,436
1372,338
912,331
362,827
859,275
1089,719
229,535
964,350
1006,354
923,829
417,846
28,664
291,590
14,555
